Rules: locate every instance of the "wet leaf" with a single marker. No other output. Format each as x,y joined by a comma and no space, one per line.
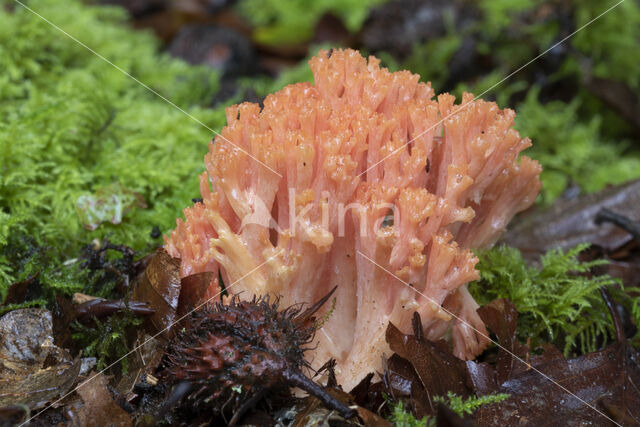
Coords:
193,291
18,291
502,319
402,381
98,407
599,378
439,371
159,286
33,370
570,222
142,362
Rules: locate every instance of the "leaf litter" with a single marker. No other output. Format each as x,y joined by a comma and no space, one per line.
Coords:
425,376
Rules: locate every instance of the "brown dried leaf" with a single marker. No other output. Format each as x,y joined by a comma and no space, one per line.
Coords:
570,222
159,286
502,319
143,361
18,290
98,408
192,292
439,371
608,379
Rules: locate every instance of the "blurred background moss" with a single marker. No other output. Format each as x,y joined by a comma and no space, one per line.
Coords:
88,153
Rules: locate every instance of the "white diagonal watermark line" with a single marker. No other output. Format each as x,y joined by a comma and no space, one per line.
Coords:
150,89
462,107
528,365
152,337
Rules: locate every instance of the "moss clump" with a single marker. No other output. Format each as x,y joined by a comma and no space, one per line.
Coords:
400,417
572,150
293,21
71,125
463,407
611,42
106,340
557,302
468,406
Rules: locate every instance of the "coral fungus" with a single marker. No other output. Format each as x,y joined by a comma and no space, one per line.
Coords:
365,181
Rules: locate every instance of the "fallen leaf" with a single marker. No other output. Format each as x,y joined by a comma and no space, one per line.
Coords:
312,412
159,286
402,382
142,362
570,222
17,292
612,374
371,419
98,407
439,371
501,317
100,308
193,291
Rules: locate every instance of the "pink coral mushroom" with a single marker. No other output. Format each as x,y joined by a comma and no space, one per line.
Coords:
365,181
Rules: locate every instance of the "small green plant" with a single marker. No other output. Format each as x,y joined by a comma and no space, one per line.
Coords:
106,340
468,406
463,407
557,302
400,417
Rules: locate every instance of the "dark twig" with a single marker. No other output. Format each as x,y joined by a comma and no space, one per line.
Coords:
176,395
297,379
627,224
606,296
100,308
246,406
416,322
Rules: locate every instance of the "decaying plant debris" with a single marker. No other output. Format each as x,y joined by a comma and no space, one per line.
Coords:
94,169
233,355
421,377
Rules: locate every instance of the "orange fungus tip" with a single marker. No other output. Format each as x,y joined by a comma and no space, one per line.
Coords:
381,188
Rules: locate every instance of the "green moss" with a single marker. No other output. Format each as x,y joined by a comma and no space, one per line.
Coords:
293,21
107,341
557,302
468,406
572,150
400,417
71,124
611,42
